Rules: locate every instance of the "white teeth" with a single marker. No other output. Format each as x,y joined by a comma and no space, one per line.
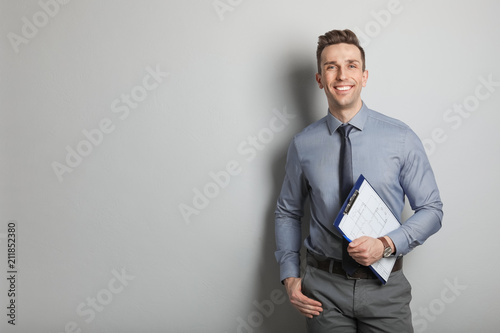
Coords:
343,88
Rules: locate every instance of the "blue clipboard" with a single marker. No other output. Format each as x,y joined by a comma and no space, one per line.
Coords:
349,203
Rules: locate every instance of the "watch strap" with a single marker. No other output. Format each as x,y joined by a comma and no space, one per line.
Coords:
385,242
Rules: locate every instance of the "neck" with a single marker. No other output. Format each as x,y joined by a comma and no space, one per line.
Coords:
344,114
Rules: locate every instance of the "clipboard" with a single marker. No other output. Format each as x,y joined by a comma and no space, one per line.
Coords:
364,213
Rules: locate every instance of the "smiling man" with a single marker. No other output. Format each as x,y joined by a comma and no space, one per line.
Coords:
338,292
342,75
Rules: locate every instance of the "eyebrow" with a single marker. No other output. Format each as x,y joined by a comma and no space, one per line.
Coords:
349,61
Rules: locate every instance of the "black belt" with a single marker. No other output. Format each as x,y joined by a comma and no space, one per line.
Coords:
335,267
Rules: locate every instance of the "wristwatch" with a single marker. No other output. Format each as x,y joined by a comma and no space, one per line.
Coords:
387,247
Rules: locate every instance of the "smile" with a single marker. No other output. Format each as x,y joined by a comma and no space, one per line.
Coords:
343,88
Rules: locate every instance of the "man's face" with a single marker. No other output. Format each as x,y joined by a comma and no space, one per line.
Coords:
342,76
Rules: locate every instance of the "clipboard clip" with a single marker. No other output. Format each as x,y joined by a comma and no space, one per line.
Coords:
351,202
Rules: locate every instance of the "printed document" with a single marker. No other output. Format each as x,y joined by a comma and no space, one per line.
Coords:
365,214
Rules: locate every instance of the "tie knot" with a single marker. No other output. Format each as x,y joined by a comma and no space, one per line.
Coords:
345,129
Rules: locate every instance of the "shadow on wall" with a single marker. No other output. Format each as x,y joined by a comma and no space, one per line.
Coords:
272,302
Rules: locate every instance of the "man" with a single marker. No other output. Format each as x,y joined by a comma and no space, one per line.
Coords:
391,157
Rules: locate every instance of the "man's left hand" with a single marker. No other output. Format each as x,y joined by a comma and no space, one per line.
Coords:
366,250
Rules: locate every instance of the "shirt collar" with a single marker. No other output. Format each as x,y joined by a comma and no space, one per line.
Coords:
357,121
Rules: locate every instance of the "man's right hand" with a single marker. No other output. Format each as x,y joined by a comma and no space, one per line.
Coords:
307,306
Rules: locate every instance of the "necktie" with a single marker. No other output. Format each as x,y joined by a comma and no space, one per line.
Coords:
346,182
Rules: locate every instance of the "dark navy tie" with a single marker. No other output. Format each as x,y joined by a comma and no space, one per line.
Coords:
346,182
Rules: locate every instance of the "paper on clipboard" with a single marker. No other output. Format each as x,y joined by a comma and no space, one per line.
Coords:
364,213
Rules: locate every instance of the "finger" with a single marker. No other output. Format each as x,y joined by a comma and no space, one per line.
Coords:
310,302
309,315
358,241
307,305
309,310
355,250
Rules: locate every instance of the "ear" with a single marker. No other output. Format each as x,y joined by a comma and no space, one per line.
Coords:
365,77
318,79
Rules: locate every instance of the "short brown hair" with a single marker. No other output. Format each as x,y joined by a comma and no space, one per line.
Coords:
336,37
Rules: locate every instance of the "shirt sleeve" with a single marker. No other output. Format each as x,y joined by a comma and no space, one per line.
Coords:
288,214
419,184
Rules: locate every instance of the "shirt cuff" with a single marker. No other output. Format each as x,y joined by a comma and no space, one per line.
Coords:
400,242
289,270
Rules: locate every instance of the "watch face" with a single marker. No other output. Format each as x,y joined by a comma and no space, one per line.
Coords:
387,252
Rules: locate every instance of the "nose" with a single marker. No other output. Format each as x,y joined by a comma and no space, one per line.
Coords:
341,74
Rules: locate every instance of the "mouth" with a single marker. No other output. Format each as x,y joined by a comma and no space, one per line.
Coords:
343,88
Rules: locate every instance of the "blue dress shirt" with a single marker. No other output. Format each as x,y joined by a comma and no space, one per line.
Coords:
391,157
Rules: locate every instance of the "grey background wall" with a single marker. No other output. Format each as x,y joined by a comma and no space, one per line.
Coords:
143,146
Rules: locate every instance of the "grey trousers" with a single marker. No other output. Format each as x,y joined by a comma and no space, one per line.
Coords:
362,306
